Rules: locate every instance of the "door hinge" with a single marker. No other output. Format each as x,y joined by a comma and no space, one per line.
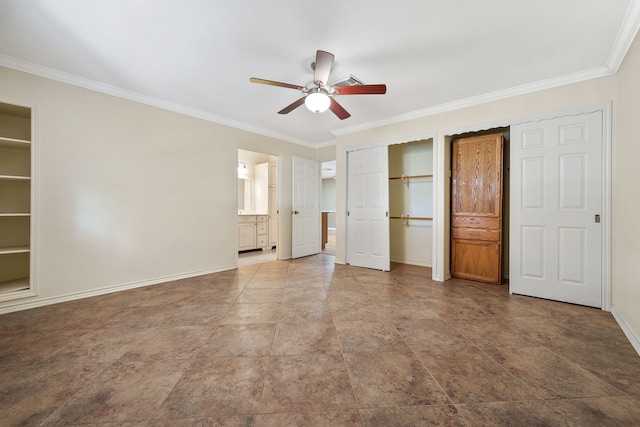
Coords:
348,213
597,218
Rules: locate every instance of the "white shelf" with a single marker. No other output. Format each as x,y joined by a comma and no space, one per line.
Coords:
14,143
14,250
14,285
15,178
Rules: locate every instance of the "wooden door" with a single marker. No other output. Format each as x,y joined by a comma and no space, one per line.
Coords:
556,238
305,224
368,208
476,208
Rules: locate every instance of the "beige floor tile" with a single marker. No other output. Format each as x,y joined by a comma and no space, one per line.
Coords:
304,294
436,415
239,340
392,379
357,336
256,296
305,311
315,382
125,391
305,338
217,386
252,313
469,375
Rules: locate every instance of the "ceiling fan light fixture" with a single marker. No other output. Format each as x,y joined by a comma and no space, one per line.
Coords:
317,102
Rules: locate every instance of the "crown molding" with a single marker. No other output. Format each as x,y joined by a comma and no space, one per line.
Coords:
63,77
482,99
626,34
325,144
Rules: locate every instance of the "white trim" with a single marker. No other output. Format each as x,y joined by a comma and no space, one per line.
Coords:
631,335
25,305
607,202
440,171
35,202
439,221
393,141
625,37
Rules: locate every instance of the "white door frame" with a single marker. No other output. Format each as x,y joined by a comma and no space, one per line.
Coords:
442,173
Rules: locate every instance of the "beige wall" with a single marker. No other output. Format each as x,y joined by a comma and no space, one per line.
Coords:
626,200
129,194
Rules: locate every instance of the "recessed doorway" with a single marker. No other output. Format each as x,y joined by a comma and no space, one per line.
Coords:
328,207
258,210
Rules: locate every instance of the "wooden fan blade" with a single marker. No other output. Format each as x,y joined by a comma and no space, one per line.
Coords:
293,106
324,61
273,83
338,110
361,90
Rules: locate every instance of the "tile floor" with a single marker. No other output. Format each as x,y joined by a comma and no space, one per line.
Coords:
310,343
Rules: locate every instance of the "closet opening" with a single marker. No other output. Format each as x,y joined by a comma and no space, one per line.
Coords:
258,209
411,202
478,214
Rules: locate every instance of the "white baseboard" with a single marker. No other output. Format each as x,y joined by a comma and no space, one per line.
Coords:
632,336
25,304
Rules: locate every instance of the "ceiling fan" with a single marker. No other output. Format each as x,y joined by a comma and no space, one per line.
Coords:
318,95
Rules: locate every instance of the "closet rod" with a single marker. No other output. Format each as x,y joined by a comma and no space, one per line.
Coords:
417,218
411,176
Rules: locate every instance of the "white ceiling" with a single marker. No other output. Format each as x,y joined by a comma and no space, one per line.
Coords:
196,56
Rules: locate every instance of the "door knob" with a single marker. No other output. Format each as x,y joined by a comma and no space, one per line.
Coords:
295,212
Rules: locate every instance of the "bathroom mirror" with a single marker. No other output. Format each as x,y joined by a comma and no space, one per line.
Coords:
244,194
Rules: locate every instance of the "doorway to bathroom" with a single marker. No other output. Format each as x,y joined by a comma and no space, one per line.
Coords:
258,209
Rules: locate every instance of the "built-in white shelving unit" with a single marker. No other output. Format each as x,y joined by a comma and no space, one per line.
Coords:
15,200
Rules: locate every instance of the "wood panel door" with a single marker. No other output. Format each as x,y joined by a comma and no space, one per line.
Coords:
476,208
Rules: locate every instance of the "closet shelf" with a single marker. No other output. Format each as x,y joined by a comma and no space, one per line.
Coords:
14,143
410,177
14,249
408,218
418,218
14,178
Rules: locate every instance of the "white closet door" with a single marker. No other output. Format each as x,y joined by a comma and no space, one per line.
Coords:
368,208
556,201
305,223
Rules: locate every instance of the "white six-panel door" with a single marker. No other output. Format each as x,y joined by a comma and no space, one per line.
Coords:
305,216
555,203
368,208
